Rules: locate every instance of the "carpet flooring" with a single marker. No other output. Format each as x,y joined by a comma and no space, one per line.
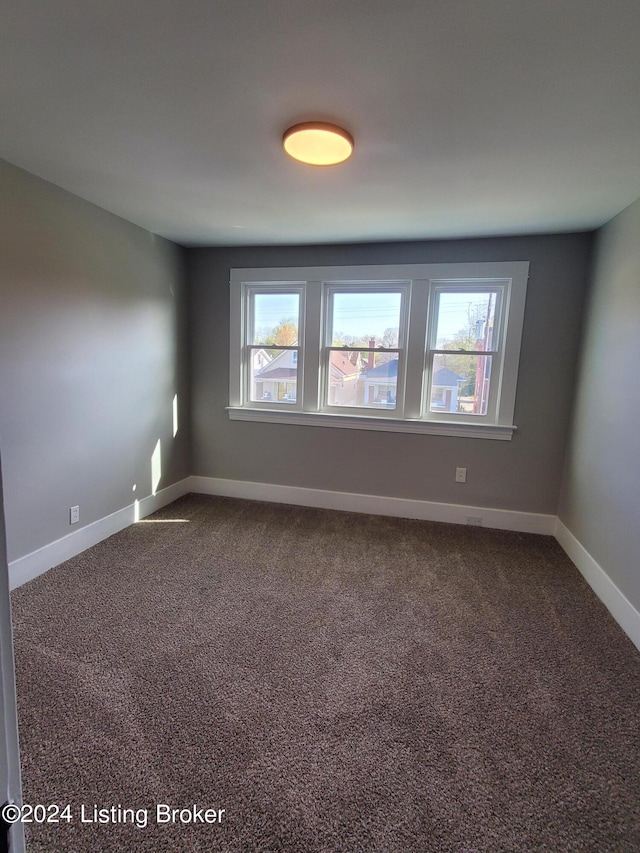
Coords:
337,683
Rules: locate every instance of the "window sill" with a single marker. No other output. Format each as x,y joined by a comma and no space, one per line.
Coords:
455,429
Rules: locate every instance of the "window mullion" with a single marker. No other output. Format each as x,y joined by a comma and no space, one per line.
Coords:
310,378
415,348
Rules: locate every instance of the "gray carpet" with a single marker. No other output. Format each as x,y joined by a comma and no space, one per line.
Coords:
335,682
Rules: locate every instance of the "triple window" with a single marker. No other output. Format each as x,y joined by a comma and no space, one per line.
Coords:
420,348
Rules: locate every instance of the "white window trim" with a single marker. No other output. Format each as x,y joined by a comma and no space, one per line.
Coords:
496,399
297,287
404,289
420,279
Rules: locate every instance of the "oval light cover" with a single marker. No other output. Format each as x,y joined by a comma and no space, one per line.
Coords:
318,143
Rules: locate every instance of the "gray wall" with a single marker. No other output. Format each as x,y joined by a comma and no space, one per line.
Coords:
600,499
92,350
523,474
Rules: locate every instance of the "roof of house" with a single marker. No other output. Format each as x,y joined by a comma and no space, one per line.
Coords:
341,365
277,373
387,370
446,378
280,367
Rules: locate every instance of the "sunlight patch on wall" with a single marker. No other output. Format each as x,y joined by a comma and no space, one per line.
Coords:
156,468
136,506
175,415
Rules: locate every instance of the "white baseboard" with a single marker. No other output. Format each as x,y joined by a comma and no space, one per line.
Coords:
31,565
614,600
619,606
525,522
37,562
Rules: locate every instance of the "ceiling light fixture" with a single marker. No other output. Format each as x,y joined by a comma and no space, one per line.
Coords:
317,143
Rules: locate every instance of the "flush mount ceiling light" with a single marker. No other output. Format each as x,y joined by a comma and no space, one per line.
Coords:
317,143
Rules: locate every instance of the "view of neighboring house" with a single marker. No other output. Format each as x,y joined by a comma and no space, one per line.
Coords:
445,390
379,384
278,379
343,379
259,358
379,387
349,384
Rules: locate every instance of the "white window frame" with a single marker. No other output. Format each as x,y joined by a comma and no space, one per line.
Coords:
501,289
329,290
420,285
250,290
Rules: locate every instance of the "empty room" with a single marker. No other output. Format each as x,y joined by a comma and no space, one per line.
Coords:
319,406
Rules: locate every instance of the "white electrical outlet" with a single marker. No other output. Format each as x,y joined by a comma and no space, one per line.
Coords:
74,515
461,475
474,520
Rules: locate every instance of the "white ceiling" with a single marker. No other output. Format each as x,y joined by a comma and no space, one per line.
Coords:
470,117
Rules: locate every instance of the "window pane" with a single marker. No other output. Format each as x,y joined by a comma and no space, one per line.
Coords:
362,318
465,320
460,384
275,319
273,376
363,379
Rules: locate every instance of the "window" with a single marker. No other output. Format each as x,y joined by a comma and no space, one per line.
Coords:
272,344
363,357
464,349
413,348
